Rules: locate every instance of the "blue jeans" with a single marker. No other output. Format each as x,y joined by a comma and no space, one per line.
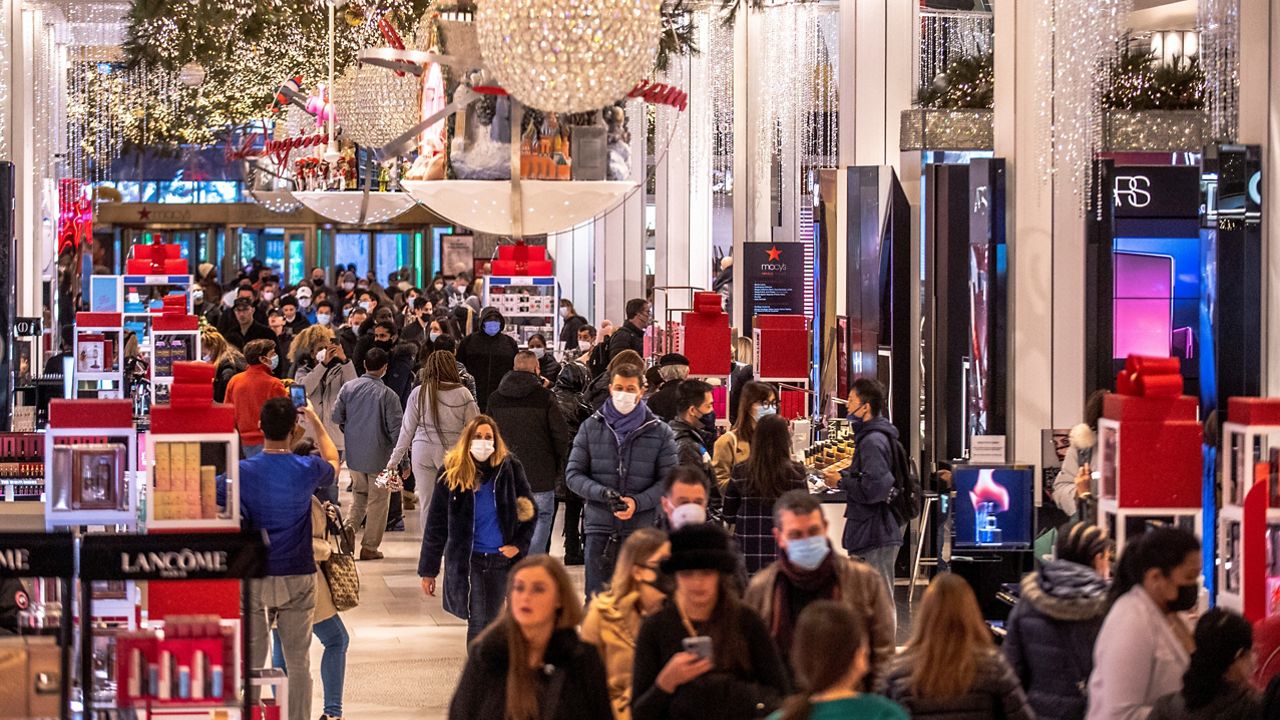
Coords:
546,504
249,451
332,634
601,554
488,591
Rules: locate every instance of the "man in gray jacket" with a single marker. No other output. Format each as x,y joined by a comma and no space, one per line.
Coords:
369,413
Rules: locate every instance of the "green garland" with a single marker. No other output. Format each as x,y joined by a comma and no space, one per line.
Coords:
1137,83
967,83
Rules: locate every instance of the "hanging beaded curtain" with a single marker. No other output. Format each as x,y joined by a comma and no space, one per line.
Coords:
6,52
718,47
947,35
1219,56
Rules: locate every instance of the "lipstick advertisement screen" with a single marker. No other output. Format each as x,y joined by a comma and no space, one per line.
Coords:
993,506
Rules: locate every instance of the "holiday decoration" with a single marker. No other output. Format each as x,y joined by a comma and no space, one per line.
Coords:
1219,23
968,83
375,105
928,129
192,74
568,55
950,35
1138,83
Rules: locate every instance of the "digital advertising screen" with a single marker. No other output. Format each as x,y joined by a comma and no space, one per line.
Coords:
993,506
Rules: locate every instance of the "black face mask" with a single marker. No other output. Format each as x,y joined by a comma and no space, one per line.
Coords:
709,422
384,344
1188,595
663,583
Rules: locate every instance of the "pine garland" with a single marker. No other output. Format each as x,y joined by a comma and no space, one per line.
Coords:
967,83
1138,83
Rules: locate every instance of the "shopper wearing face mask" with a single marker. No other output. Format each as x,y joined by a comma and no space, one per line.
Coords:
808,570
631,335
871,531
488,354
323,315
694,426
1145,644
570,323
756,400
638,590
673,369
251,389
619,459
324,378
479,522
756,485
548,366
685,494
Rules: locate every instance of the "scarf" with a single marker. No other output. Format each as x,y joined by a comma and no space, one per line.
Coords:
822,580
624,425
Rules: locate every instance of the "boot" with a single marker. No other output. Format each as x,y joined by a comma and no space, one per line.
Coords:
573,552
410,500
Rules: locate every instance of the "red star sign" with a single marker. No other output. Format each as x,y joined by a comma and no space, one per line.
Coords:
774,254
144,214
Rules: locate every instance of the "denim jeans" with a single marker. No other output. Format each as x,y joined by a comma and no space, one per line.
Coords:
249,451
488,591
332,635
546,505
599,560
882,560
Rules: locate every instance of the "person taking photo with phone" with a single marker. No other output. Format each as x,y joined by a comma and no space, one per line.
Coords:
705,656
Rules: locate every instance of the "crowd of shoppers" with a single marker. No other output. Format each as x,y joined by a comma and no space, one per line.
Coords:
714,587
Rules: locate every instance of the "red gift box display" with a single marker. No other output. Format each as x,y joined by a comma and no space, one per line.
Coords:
156,259
522,260
781,347
704,337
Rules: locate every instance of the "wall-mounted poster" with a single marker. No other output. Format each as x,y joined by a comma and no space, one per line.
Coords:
106,293
458,252
775,281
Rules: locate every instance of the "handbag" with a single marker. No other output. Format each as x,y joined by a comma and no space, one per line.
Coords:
340,571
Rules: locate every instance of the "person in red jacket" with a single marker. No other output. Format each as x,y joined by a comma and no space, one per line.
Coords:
251,389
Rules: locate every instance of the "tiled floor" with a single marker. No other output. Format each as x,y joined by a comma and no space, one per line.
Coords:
406,652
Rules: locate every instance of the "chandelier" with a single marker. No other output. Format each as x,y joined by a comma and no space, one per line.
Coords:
375,105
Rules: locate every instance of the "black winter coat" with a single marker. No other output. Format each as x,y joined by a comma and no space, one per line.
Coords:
572,671
752,516
663,403
694,448
719,693
569,331
627,337
488,359
450,531
400,376
531,423
1050,638
996,694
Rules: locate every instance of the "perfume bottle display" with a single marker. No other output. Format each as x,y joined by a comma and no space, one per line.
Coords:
993,506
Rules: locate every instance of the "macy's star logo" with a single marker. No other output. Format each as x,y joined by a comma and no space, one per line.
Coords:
774,254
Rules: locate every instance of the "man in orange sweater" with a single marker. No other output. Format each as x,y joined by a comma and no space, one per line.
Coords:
251,389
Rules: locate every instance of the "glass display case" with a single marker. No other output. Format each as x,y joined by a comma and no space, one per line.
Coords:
1249,525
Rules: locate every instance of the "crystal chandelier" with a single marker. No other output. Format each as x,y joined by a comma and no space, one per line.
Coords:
375,105
568,55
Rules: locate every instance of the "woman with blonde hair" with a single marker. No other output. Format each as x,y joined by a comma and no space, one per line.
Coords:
324,376
480,521
226,359
613,620
951,667
529,664
306,345
434,415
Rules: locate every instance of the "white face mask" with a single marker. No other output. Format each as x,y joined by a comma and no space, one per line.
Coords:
538,352
624,402
304,302
268,296
322,355
481,450
564,313
688,514
323,319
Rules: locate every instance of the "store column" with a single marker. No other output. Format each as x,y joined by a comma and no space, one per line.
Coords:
619,237
1260,125
573,252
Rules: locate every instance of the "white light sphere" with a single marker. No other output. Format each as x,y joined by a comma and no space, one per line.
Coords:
375,105
569,55
192,74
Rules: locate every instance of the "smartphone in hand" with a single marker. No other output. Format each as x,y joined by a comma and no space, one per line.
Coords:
298,395
700,646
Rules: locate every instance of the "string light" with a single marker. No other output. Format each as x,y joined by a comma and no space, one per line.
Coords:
1220,56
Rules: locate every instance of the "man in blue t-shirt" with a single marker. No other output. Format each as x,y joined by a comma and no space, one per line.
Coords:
275,497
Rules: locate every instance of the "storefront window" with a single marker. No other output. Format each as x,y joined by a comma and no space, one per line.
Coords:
393,252
296,269
352,248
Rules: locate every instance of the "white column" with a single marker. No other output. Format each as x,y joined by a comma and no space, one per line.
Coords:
27,26
619,237
1260,124
573,252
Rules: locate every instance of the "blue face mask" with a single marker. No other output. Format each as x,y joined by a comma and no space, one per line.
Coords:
491,327
275,361
765,411
808,554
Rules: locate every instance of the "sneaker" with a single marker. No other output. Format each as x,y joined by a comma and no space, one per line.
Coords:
367,554
397,526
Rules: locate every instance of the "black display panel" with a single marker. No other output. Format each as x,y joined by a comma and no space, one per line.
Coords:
987,377
947,319
8,294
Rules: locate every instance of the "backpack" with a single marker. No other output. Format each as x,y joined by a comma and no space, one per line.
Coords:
906,498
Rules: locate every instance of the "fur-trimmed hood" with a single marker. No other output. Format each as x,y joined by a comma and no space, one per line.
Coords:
1083,437
1066,591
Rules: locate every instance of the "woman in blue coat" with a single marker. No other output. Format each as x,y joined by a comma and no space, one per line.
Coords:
480,523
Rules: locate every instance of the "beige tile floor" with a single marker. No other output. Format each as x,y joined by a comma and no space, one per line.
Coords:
406,653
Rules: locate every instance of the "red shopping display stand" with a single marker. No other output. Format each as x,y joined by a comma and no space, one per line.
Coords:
782,356
1249,574
703,336
1149,454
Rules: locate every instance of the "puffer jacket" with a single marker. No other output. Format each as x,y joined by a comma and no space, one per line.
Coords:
869,523
1050,637
694,448
612,625
530,421
450,530
996,694
488,359
636,468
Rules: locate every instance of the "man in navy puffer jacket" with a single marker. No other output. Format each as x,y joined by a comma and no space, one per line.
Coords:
622,451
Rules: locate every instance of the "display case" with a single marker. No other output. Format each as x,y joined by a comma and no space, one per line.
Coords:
90,456
188,665
193,478
174,339
1148,461
22,467
35,664
1249,525
97,354
530,305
